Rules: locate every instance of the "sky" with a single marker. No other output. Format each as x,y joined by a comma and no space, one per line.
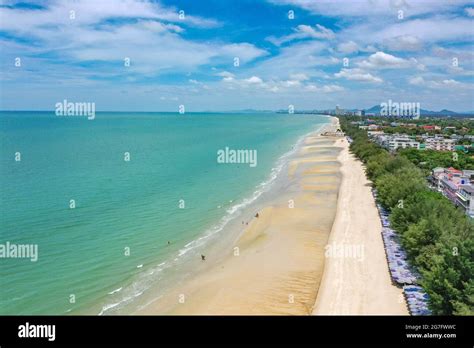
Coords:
223,55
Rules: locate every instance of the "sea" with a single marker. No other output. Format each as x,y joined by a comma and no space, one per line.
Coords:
122,206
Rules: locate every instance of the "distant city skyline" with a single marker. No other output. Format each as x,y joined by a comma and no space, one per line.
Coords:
234,55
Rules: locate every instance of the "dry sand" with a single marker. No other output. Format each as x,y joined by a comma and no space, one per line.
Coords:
357,285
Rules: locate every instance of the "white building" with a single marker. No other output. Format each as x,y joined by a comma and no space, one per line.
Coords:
375,133
440,144
465,198
403,142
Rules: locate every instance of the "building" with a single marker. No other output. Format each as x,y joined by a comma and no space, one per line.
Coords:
393,142
440,144
465,199
429,128
456,137
339,111
375,133
435,178
396,141
456,185
402,141
449,189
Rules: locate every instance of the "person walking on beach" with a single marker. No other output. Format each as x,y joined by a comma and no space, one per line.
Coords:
203,257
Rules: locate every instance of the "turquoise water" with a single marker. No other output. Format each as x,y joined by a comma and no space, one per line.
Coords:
121,205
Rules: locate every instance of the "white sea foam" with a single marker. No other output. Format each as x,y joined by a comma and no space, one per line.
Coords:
121,302
114,291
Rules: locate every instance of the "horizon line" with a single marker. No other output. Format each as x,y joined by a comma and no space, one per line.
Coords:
235,111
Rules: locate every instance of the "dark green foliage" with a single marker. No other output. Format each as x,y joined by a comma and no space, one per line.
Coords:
429,159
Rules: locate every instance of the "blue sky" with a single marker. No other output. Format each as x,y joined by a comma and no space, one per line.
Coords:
355,53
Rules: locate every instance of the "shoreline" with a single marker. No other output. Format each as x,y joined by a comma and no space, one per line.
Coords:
278,266
216,242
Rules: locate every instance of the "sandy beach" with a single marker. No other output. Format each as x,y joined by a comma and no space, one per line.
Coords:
350,285
278,266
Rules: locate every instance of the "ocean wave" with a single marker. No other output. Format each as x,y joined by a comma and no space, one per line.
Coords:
114,291
121,302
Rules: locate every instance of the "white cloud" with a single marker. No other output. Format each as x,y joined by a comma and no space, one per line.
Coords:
58,13
299,77
358,75
297,84
324,89
244,51
250,82
417,81
158,42
454,60
408,35
438,84
427,30
348,47
320,32
291,83
169,98
254,80
451,82
306,57
463,55
459,70
369,8
382,60
469,11
225,74
403,43
304,32
150,30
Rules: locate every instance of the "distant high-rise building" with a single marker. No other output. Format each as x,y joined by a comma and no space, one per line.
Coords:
339,111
